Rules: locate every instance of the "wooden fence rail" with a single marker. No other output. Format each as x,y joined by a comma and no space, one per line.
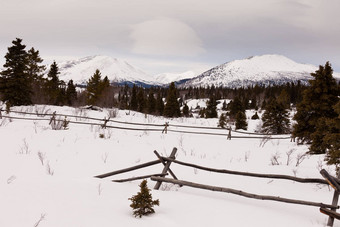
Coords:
241,193
328,209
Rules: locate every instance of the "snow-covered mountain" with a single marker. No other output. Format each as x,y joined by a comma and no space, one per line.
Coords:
116,70
265,69
166,78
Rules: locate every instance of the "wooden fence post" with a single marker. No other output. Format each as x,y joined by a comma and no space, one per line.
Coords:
165,128
166,167
52,121
105,122
164,163
334,203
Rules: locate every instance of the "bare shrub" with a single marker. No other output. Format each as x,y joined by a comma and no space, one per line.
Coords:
265,140
41,157
56,124
41,111
320,165
295,170
275,159
112,113
289,156
24,149
49,170
246,156
100,189
104,157
11,179
42,217
4,122
168,187
80,113
300,158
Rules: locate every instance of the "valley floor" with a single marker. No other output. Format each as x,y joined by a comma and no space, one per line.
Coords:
47,176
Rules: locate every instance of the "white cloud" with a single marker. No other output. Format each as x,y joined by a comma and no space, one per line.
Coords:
165,37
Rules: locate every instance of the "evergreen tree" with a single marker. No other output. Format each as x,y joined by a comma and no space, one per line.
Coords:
211,111
275,118
185,110
222,121
134,103
159,104
284,99
224,105
94,88
332,138
241,120
171,108
235,106
316,106
52,84
255,116
142,203
15,82
71,93
35,72
141,100
151,104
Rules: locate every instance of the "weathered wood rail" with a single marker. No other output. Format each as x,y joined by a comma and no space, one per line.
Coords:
328,209
241,193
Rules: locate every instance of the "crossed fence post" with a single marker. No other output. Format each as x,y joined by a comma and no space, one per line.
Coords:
52,120
165,130
105,122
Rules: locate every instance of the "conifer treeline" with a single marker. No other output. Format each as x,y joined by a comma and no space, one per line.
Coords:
22,82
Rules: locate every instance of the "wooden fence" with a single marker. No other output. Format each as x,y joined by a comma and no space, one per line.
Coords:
328,209
134,126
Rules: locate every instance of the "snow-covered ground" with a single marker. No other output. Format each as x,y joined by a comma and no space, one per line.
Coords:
47,176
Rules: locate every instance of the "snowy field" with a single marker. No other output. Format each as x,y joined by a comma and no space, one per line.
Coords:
47,176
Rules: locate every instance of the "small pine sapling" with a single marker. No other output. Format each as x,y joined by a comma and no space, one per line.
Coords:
142,203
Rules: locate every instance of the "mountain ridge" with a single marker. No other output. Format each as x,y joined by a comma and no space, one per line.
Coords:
264,70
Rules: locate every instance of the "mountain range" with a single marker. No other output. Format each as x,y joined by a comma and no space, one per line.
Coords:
264,70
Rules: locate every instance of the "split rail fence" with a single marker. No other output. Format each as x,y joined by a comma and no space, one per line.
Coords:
134,126
159,178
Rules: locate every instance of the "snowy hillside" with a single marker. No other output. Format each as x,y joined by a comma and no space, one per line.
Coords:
116,70
265,69
47,176
166,78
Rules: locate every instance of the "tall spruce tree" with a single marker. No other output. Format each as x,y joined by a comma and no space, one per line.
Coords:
151,103
241,121
53,84
235,106
71,93
275,118
315,108
159,104
141,100
211,111
171,108
94,88
35,70
15,82
133,102
332,138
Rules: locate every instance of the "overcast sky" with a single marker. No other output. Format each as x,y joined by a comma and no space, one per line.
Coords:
175,35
